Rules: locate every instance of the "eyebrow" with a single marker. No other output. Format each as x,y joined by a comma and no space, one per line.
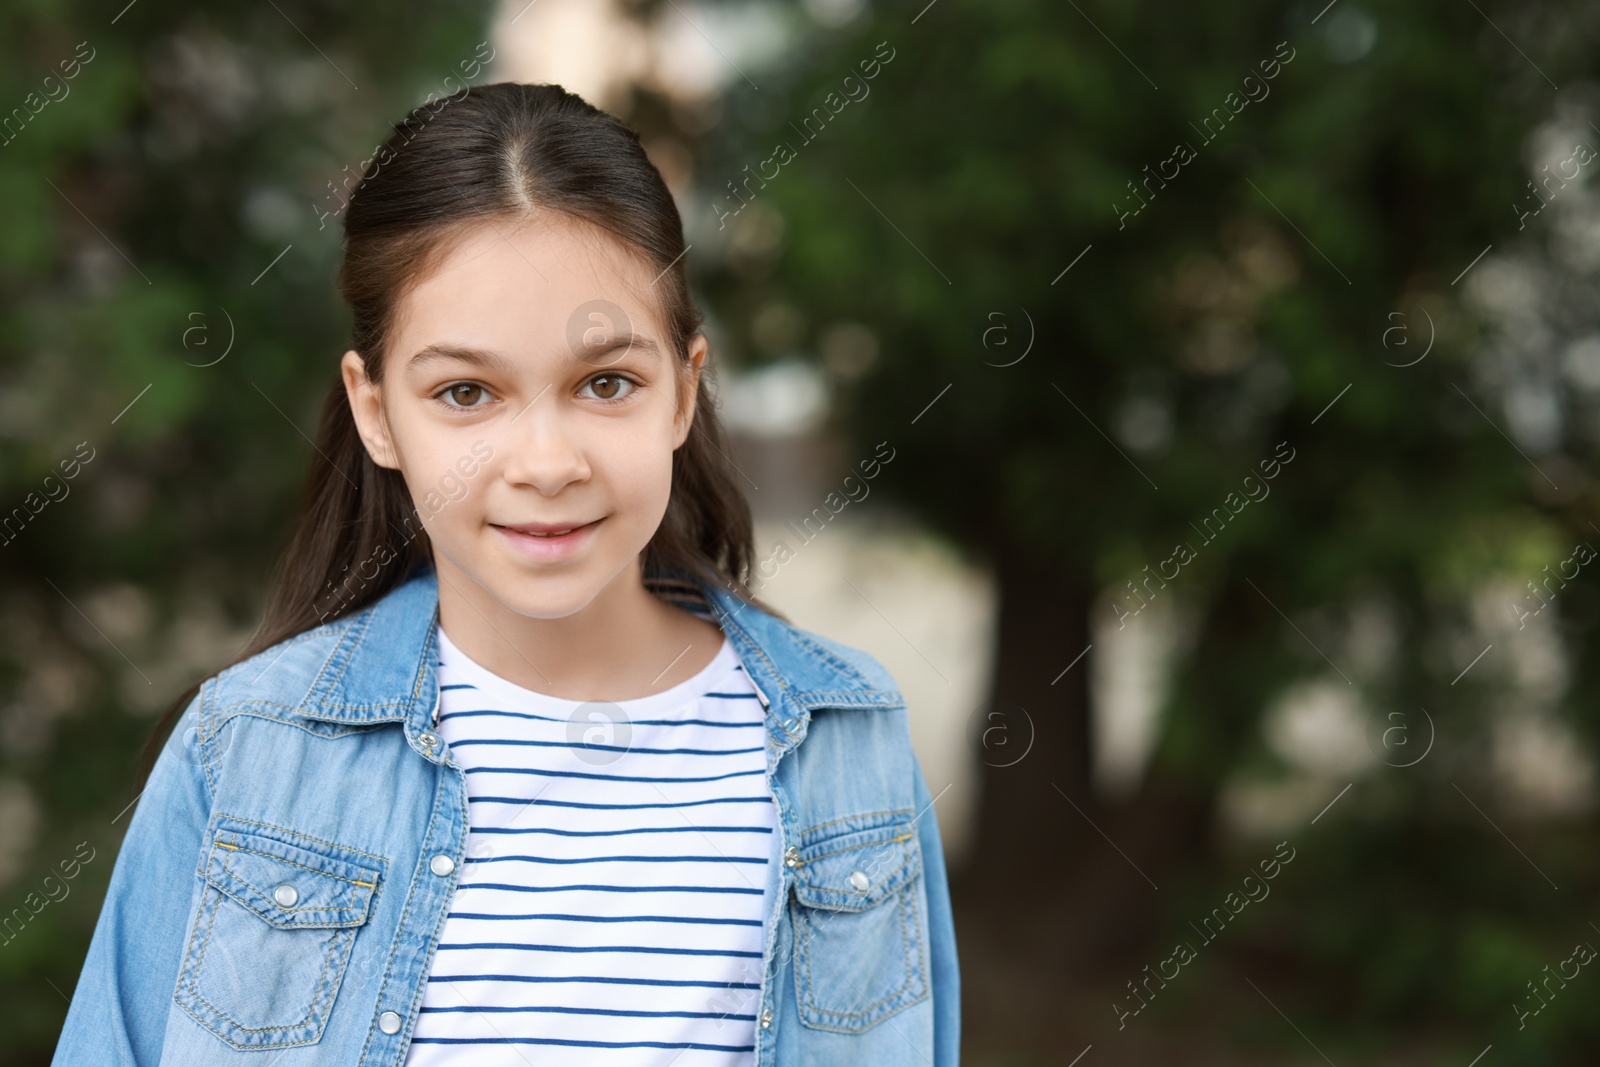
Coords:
494,361
477,357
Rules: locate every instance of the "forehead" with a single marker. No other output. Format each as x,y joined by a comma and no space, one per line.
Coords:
535,284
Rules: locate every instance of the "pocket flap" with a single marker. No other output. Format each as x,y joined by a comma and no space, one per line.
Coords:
311,884
854,871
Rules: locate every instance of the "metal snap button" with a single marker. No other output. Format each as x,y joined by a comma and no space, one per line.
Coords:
441,865
389,1022
429,740
791,856
286,895
766,1018
860,880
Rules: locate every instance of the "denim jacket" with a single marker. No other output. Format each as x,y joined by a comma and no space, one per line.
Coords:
288,869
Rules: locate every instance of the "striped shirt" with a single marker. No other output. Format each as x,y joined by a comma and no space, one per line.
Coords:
609,911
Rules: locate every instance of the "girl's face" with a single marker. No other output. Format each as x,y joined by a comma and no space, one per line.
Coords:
529,386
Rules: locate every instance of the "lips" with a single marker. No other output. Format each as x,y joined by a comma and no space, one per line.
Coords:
544,529
548,541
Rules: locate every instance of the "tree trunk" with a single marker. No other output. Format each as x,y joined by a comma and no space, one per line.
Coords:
1033,736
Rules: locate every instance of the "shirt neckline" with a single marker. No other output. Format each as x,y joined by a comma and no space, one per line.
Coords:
464,668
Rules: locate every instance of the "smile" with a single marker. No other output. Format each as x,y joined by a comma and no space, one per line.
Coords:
546,545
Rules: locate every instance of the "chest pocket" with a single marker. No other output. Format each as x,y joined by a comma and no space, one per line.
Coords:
272,933
859,948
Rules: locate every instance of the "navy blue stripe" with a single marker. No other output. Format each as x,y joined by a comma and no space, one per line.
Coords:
651,949
607,888
732,696
619,859
601,1011
600,979
617,807
648,829
617,833
609,777
608,918
610,748
581,1044
636,722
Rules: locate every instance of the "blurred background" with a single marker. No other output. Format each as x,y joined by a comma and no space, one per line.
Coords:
1239,402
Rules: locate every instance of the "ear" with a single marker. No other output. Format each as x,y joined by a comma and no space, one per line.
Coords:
699,352
366,405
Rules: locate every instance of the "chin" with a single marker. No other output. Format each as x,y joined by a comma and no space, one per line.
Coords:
544,595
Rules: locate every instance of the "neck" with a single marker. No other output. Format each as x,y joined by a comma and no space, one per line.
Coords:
624,643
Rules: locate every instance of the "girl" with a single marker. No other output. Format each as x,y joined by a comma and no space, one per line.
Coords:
517,770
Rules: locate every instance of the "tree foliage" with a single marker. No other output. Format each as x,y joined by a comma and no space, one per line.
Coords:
169,326
1230,235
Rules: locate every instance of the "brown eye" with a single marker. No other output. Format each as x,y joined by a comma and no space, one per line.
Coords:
461,394
610,387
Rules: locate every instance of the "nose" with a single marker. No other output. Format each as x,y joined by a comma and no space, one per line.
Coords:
543,449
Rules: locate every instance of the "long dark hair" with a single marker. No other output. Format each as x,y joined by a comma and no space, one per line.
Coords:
487,153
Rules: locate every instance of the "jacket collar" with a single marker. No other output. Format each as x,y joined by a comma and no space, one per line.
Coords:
383,666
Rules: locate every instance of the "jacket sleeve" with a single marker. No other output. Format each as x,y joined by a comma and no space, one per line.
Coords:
941,931
118,1014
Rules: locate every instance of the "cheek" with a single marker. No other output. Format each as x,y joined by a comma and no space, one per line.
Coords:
432,466
651,476
641,471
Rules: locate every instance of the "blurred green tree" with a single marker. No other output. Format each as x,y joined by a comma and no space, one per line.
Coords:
1229,234
170,179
